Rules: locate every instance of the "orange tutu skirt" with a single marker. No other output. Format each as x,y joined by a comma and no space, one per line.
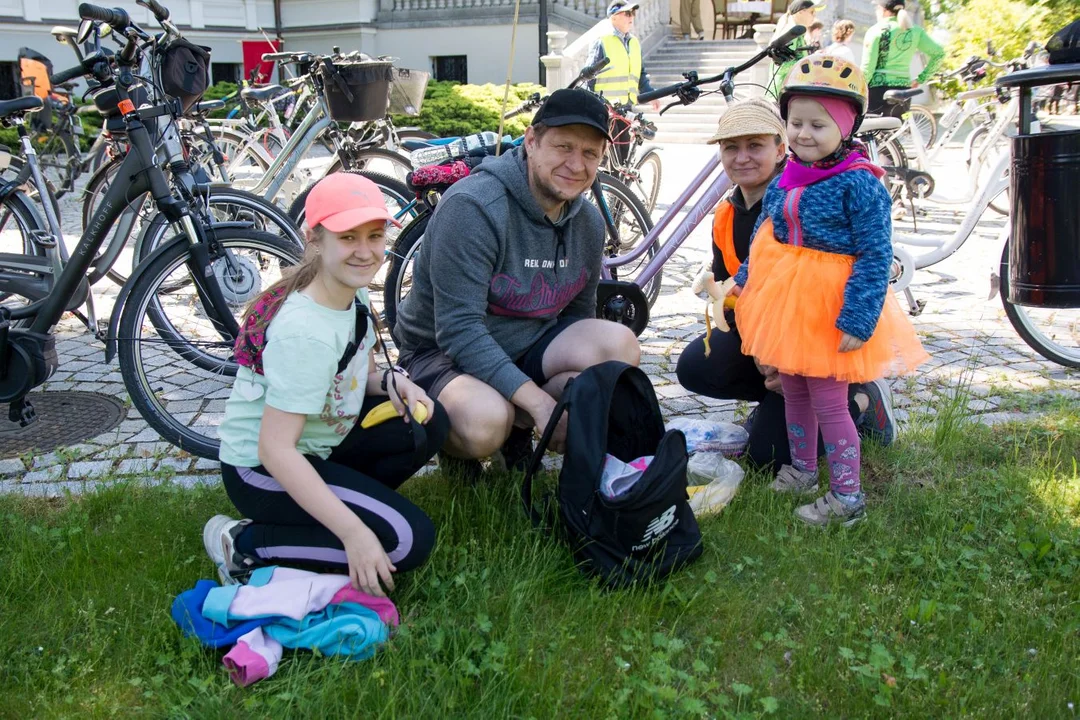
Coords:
787,315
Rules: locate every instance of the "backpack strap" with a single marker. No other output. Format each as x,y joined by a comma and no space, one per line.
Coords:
540,520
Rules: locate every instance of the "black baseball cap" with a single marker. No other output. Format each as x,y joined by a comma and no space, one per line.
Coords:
800,5
574,106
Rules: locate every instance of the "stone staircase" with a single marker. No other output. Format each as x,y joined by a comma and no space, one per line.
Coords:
695,123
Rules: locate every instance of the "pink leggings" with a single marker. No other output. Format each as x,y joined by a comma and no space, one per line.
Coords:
813,402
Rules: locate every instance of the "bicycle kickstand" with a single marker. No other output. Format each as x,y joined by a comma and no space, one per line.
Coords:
915,307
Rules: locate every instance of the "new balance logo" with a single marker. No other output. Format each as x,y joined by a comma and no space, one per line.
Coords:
657,529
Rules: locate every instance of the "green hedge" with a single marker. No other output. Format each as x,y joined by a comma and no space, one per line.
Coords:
91,125
450,108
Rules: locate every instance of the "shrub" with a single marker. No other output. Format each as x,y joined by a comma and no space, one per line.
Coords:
453,109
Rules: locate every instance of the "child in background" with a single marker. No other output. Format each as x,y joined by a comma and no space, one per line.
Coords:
814,298
318,488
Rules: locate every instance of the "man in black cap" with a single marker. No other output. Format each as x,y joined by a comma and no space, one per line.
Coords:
502,310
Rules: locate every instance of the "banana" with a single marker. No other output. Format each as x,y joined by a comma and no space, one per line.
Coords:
386,411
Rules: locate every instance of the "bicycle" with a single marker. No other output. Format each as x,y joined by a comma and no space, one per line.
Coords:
220,267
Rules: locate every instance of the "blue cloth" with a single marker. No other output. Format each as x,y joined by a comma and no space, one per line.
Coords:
849,214
345,629
187,613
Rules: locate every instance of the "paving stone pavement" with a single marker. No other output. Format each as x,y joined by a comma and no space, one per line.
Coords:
968,336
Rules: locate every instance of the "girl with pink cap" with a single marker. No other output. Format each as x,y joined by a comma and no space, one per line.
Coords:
814,299
317,488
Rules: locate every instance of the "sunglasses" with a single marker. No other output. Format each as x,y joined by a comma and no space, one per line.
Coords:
631,13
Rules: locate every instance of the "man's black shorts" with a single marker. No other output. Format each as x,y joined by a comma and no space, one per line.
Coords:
432,369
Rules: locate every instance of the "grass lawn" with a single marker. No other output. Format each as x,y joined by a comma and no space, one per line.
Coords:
958,596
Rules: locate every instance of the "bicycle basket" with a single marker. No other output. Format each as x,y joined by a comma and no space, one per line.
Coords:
356,91
407,91
185,71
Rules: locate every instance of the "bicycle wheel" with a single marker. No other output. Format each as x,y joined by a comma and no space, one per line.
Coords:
647,172
416,135
1054,333
19,219
978,151
402,260
58,159
245,158
379,161
30,188
893,160
925,123
632,223
179,378
400,202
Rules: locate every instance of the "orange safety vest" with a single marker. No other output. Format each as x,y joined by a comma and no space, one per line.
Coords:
723,234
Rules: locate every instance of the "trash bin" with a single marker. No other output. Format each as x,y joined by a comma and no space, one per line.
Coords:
1044,246
1044,249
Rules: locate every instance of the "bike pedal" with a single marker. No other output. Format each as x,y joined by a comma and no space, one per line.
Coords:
916,311
102,332
43,238
22,412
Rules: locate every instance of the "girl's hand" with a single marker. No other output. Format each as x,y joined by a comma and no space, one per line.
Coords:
368,562
850,343
735,290
411,394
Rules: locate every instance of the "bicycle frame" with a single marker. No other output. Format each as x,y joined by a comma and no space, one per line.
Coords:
701,209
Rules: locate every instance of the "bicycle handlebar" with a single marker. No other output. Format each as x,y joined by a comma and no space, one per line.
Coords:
692,81
117,17
285,56
591,71
87,66
160,11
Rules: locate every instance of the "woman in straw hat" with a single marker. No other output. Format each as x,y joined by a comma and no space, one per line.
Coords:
753,148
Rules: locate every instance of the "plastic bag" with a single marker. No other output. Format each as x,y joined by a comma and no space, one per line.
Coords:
713,479
711,435
618,477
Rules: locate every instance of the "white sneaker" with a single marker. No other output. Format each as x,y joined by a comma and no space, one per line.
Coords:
795,482
219,536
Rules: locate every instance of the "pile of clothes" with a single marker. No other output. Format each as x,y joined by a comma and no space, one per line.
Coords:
283,608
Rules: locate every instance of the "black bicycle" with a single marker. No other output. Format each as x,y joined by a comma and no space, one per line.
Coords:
174,323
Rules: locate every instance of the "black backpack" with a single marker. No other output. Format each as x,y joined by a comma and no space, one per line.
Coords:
651,531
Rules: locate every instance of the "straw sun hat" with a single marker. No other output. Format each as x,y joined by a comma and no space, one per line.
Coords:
749,117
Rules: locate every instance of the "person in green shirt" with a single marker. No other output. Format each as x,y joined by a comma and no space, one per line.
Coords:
799,12
887,51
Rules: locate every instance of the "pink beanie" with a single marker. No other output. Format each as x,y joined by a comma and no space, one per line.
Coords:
841,111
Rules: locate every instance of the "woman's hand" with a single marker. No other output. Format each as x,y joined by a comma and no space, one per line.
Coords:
368,562
411,394
772,377
850,343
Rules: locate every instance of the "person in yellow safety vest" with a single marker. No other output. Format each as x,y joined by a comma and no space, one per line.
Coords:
625,75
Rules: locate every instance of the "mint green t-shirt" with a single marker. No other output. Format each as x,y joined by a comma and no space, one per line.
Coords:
304,343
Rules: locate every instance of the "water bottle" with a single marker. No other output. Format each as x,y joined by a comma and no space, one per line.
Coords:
456,150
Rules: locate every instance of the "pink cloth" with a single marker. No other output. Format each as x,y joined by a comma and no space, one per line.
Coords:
253,658
797,175
841,111
382,606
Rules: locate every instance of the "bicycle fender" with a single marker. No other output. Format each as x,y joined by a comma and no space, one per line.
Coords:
125,291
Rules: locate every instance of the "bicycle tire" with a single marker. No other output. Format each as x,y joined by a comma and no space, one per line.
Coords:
1001,203
926,123
30,188
402,255
649,192
893,159
19,209
1027,328
377,161
197,395
57,157
628,207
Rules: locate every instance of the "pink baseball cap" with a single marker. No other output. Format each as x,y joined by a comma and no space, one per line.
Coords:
341,201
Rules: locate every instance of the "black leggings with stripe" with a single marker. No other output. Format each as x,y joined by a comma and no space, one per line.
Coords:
364,471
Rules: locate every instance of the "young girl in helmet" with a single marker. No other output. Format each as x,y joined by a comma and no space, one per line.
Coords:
814,297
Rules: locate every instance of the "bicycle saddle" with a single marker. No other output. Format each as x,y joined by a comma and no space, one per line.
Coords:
976,94
30,103
262,94
900,95
875,123
411,145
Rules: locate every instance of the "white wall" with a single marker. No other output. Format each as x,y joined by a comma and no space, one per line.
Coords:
486,46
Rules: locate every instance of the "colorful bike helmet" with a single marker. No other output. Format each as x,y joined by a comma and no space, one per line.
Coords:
826,75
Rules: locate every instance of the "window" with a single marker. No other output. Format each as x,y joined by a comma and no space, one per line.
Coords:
9,80
225,72
452,67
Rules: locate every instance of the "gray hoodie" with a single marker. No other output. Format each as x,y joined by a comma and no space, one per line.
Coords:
494,273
